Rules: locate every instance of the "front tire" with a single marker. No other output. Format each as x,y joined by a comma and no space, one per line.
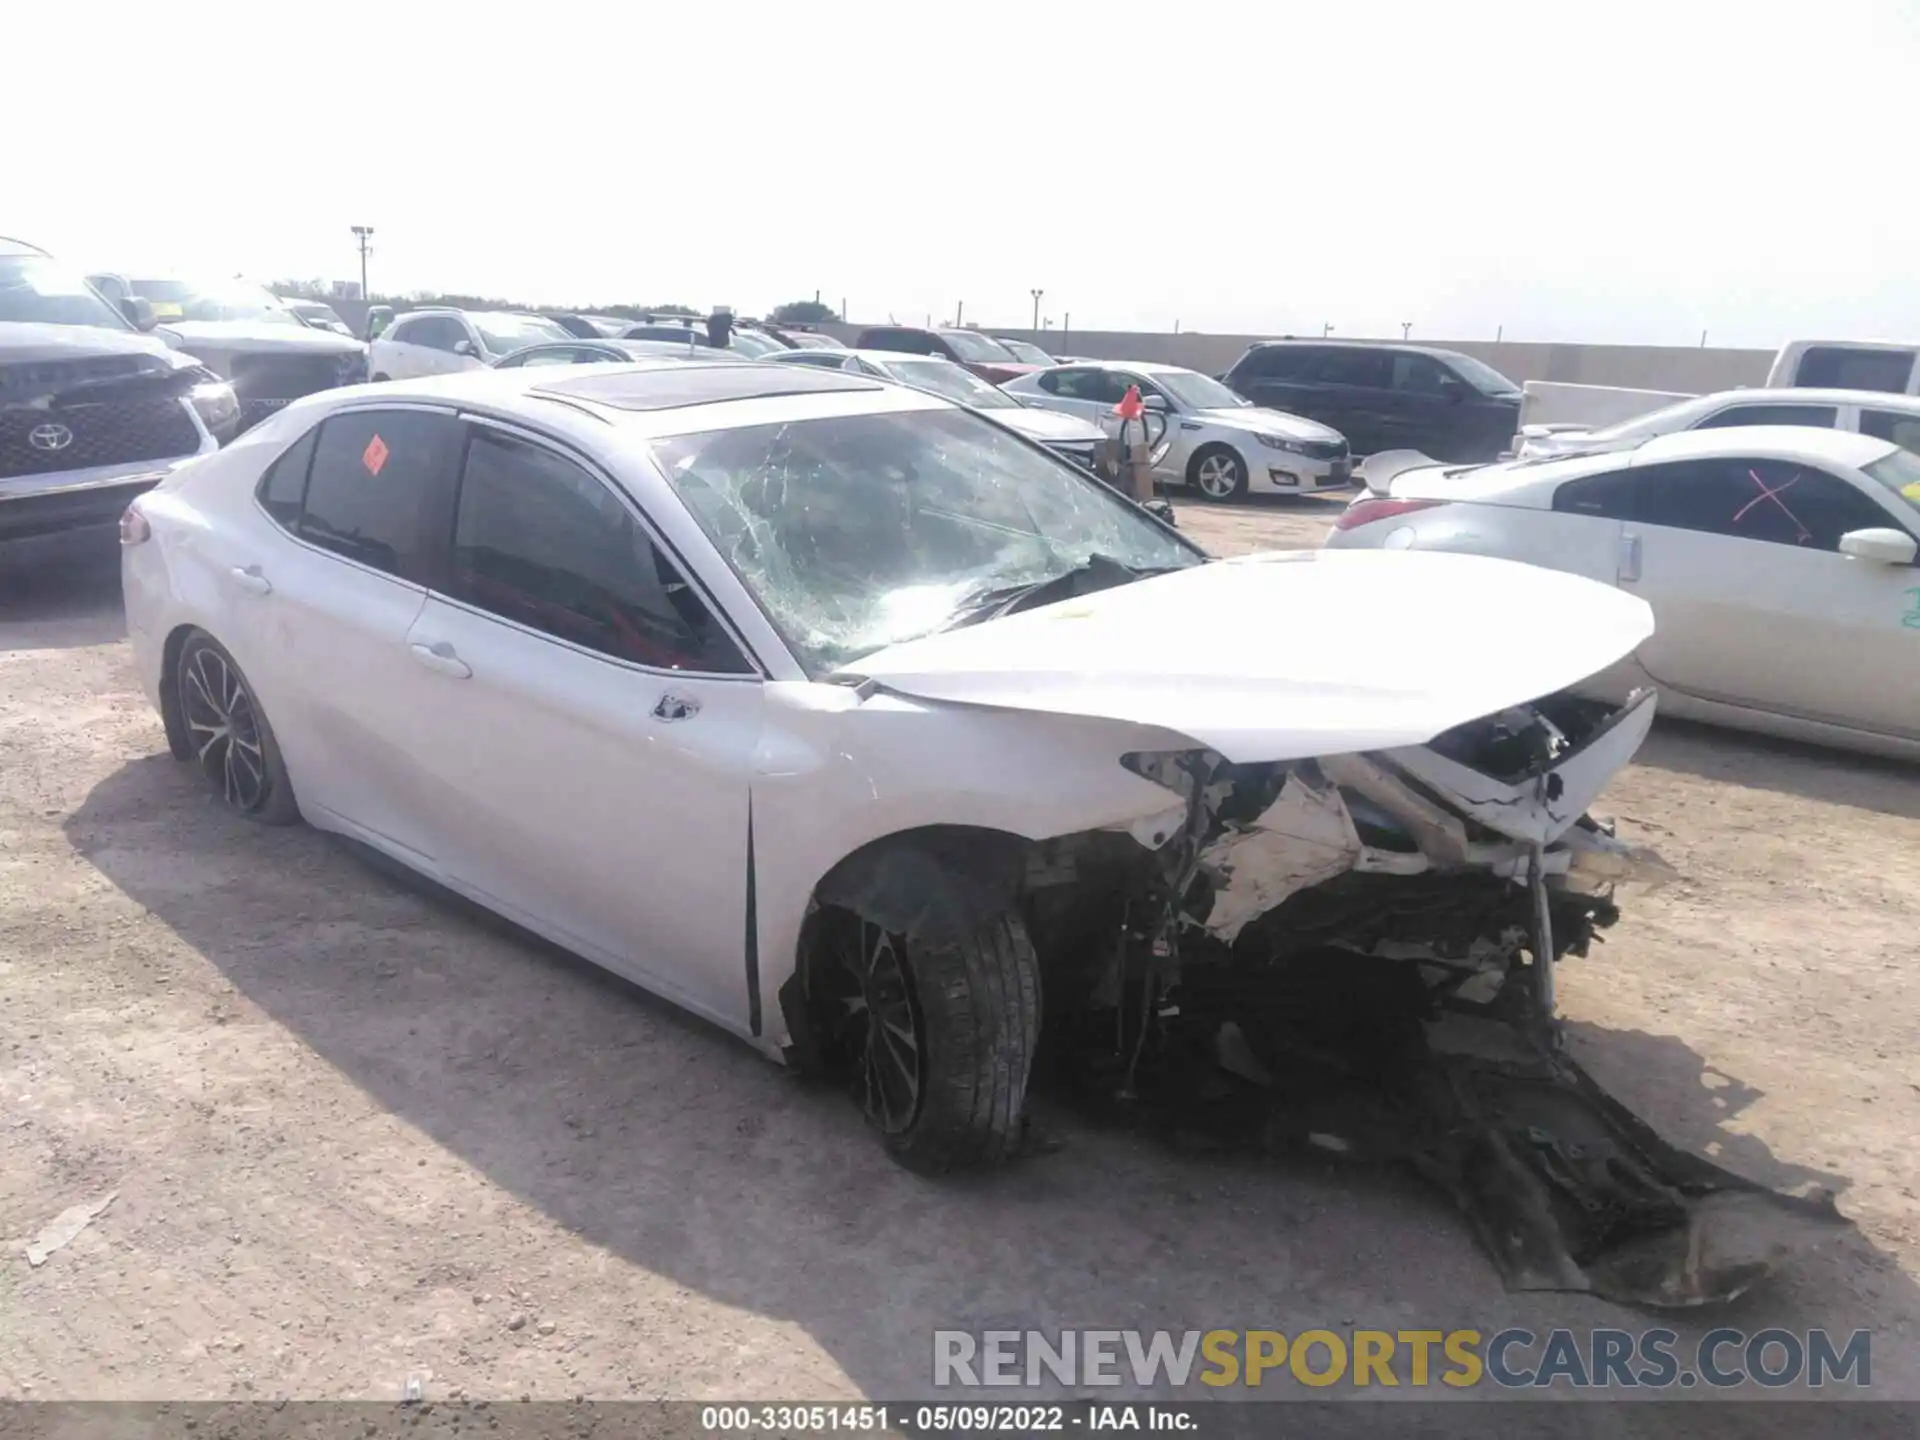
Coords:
1218,473
229,737
937,1041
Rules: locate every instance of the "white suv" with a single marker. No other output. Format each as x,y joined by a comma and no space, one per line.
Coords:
441,342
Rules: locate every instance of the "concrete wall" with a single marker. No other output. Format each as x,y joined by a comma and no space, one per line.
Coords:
1691,370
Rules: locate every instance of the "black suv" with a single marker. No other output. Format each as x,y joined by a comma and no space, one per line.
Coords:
1386,397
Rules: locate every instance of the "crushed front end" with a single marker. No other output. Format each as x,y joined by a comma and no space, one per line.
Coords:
1356,952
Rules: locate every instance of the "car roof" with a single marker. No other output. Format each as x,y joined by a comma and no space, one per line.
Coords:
1398,347
655,396
673,386
1536,478
1805,395
1807,443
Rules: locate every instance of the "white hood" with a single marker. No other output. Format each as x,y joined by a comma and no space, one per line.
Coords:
1402,645
1262,421
252,337
20,343
1047,426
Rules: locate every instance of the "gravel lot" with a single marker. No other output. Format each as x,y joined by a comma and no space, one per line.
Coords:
355,1133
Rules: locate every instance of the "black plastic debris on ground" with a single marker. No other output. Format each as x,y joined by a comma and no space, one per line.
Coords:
1564,1187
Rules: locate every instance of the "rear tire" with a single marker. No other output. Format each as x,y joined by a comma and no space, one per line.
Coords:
1218,473
228,735
382,376
943,1076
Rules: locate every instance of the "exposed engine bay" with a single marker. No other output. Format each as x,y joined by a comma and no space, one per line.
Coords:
1355,953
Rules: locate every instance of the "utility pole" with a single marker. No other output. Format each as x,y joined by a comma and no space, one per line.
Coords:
843,309
1066,322
1703,339
1326,329
364,233
1499,333
1036,307
1406,328
959,313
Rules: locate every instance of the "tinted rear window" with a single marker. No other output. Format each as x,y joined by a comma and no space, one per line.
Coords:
373,474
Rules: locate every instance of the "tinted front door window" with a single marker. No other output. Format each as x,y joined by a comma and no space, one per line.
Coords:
539,541
373,475
1772,501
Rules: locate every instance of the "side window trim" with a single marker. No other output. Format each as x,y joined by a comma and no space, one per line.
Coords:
443,559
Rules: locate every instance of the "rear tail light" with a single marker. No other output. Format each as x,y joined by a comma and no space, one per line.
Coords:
1365,512
134,529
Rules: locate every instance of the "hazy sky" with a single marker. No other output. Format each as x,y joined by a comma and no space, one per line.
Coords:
1624,171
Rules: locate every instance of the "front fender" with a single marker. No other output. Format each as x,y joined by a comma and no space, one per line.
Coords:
839,769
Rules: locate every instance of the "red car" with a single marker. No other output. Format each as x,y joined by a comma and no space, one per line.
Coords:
982,354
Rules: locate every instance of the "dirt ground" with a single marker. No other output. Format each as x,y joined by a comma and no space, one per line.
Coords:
354,1134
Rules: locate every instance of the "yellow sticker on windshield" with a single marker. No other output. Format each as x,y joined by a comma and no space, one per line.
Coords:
1912,492
167,310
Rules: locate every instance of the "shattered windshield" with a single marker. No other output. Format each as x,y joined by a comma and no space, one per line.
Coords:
947,379
858,532
978,348
1031,354
1198,392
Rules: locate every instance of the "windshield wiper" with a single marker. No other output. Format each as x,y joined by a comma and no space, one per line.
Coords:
1099,572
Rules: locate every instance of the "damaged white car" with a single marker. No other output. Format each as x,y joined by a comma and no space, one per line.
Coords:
892,742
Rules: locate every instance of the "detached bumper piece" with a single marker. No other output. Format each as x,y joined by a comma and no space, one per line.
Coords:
1567,1190
1356,1058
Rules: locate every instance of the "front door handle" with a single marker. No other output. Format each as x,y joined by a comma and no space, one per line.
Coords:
249,578
1629,558
440,656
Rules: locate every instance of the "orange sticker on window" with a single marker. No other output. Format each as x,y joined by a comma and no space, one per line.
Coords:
375,455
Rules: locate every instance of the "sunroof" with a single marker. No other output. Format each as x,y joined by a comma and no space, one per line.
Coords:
671,386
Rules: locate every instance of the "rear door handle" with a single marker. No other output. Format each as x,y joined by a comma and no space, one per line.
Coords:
440,656
1629,558
249,578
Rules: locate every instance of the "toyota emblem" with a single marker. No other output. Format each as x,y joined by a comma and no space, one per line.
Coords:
49,437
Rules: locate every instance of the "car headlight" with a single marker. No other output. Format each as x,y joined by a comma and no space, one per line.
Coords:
1280,442
215,403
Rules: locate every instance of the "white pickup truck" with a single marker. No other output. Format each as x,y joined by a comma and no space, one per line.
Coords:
1552,414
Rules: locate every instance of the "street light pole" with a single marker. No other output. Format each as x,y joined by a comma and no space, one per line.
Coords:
1036,307
365,235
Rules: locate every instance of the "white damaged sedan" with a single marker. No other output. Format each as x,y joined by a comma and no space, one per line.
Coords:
876,733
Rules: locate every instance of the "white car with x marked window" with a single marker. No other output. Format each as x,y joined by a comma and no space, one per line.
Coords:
1779,562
